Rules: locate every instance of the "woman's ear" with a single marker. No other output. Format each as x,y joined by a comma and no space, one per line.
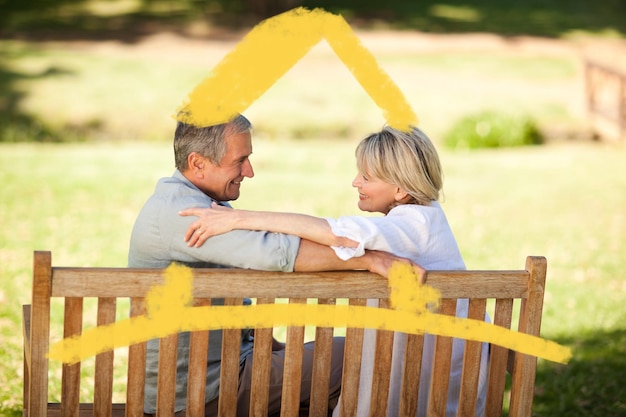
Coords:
401,196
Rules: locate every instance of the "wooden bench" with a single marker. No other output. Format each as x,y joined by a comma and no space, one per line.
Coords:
108,285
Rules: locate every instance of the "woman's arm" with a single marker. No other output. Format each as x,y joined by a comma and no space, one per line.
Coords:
217,220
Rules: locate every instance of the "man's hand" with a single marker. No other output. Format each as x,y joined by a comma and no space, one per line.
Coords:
380,263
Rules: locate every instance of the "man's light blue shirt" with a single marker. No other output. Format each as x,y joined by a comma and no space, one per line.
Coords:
157,240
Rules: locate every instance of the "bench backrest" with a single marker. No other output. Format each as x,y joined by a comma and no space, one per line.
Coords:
110,284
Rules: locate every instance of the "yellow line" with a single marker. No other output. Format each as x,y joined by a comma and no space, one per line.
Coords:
274,46
165,318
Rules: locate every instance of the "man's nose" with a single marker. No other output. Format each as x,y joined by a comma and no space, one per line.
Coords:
247,170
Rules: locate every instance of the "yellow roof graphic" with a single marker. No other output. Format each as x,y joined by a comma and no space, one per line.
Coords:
270,50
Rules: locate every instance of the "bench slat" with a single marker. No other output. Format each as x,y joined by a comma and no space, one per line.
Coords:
136,367
196,379
292,374
441,366
471,363
353,352
229,373
411,375
103,379
498,358
322,358
166,379
382,369
261,368
70,382
127,282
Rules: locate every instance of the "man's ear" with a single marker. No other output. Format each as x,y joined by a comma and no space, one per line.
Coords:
196,163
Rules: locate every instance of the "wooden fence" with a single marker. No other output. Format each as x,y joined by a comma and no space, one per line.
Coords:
606,100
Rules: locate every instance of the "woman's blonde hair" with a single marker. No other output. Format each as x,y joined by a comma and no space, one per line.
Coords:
406,159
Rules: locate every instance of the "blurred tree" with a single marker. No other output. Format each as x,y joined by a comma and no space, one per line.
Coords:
267,8
10,7
550,18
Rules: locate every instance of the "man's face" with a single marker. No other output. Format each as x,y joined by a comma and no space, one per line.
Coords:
222,182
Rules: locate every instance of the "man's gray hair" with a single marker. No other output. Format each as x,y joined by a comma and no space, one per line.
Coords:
207,141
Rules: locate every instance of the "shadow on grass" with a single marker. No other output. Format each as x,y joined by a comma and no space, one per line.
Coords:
592,384
16,124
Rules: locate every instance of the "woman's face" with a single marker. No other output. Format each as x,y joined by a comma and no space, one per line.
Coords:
375,195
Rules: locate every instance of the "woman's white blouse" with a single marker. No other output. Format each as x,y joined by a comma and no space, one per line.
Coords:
419,233
422,234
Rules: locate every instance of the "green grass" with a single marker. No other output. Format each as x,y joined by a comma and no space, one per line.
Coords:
564,201
590,385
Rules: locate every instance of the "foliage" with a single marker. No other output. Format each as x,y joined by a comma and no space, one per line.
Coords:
493,130
546,18
129,18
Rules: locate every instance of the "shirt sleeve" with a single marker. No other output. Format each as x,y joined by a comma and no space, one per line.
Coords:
158,239
264,251
239,248
398,232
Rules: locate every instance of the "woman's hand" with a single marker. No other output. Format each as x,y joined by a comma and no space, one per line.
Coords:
381,262
212,221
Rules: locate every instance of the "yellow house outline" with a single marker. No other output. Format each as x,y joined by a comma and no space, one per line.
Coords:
270,49
233,85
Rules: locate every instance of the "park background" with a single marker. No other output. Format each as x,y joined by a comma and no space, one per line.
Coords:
88,90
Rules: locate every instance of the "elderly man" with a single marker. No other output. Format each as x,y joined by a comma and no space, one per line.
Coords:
211,162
